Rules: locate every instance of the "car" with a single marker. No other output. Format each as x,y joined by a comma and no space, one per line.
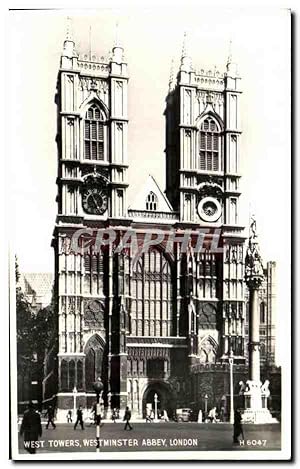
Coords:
183,415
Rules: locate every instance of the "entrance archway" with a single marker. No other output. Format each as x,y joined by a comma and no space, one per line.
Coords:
166,399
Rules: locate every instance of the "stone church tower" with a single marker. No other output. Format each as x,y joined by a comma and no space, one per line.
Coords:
92,184
161,321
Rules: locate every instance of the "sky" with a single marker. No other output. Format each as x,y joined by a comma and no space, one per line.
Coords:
151,38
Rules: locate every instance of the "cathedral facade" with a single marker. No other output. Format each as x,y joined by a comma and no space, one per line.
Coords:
163,319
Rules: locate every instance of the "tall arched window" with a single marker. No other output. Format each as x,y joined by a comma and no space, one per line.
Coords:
93,361
210,146
94,134
151,304
90,368
151,201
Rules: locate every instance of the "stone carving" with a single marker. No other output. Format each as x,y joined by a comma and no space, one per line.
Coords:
265,388
147,352
209,188
210,97
251,386
64,245
93,84
94,314
208,315
207,350
253,262
71,308
242,388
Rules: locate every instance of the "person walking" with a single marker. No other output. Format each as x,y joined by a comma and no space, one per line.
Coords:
31,428
148,415
50,413
237,427
79,418
127,417
114,415
69,416
212,415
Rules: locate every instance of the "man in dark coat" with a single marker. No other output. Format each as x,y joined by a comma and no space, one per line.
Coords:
237,426
79,418
50,413
127,417
31,428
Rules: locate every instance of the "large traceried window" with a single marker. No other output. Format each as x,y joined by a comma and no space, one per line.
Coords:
151,292
94,134
210,151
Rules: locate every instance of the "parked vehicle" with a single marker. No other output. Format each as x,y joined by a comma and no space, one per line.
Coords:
183,415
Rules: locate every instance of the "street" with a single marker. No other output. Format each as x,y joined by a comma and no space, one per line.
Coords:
168,436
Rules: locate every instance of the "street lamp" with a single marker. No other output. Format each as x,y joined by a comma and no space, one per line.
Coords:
74,401
98,388
205,406
230,360
155,407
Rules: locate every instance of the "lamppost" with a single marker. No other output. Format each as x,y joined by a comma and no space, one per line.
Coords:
98,388
74,401
230,359
155,407
205,406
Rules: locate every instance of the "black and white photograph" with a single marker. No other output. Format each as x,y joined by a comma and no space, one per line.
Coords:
150,260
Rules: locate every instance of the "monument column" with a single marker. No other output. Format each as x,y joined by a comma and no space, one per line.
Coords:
255,393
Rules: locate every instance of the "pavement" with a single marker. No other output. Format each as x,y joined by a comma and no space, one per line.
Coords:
162,436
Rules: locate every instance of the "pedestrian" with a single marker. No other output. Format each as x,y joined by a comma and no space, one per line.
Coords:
148,415
222,414
127,417
237,427
31,428
79,418
50,413
114,415
212,415
165,416
69,416
200,417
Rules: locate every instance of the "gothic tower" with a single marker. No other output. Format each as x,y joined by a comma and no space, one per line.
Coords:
92,184
203,133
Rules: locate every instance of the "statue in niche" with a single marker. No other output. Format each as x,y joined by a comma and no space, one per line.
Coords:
207,351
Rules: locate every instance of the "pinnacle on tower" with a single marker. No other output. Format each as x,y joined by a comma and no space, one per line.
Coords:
184,46
69,35
231,65
171,80
186,61
69,44
117,50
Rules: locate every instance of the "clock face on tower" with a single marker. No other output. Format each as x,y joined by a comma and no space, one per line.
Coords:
94,200
209,209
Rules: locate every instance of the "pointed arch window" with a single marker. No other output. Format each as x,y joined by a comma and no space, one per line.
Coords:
151,201
210,146
94,134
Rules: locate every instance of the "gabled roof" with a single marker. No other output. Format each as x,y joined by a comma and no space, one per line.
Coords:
139,203
37,284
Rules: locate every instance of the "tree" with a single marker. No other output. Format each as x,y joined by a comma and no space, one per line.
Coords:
25,321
